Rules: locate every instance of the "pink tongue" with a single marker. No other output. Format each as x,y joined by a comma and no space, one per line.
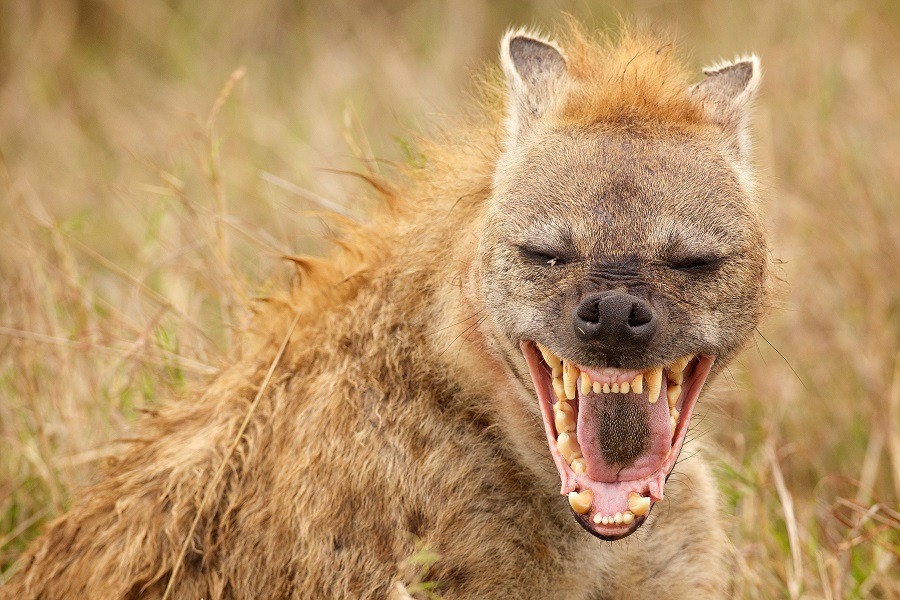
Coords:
623,436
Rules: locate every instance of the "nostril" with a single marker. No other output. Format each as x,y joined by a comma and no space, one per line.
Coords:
640,314
589,312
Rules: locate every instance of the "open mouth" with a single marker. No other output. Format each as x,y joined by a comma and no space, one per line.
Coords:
614,434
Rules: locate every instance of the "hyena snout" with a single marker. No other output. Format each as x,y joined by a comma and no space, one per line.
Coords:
615,320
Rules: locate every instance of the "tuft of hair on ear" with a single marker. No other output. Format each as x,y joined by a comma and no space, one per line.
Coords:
536,79
726,96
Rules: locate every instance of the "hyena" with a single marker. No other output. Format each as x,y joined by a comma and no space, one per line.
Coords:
533,312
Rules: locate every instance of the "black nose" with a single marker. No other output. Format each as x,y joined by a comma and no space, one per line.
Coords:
615,319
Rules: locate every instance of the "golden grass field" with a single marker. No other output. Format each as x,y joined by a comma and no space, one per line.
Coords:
158,159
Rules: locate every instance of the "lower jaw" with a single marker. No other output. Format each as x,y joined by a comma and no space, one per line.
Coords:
613,510
616,531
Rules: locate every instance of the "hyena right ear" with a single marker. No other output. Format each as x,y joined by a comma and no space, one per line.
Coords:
536,80
726,95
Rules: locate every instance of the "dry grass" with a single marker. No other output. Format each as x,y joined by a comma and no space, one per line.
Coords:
156,160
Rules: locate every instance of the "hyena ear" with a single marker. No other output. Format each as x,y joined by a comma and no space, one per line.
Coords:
536,80
726,95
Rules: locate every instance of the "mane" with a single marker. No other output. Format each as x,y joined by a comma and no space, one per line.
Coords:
632,78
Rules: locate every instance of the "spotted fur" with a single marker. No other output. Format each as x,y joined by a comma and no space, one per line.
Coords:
401,413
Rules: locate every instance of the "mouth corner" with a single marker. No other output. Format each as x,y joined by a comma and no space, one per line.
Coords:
612,501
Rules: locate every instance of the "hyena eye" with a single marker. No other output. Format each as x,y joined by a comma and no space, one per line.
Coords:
542,256
699,263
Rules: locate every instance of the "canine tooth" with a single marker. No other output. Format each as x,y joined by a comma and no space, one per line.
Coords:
579,466
606,388
568,447
625,388
654,383
673,393
570,376
638,504
615,388
585,384
551,359
559,389
598,518
581,502
598,387
564,421
627,517
617,518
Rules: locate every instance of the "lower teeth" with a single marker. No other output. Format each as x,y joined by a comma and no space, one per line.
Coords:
581,502
639,505
620,518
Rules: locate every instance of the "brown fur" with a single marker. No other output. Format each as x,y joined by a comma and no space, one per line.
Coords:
401,412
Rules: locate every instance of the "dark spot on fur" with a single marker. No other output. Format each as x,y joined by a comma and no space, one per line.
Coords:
416,522
455,578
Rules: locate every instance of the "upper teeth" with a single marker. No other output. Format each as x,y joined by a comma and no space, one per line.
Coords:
654,381
570,375
585,384
637,384
564,417
673,393
679,364
567,444
550,358
568,379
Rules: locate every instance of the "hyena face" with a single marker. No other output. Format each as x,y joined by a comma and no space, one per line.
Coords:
619,262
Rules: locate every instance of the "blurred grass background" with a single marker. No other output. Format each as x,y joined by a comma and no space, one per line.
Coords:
156,159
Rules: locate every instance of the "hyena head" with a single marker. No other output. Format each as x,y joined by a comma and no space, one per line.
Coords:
622,259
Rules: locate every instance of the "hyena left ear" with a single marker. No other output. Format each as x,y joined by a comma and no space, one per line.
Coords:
726,94
536,80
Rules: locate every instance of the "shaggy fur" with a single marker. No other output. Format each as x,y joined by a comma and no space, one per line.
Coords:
401,412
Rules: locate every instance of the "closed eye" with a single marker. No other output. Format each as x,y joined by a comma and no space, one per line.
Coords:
542,256
697,263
